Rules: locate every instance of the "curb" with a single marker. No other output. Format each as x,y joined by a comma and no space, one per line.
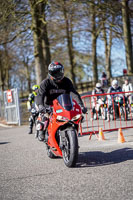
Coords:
6,126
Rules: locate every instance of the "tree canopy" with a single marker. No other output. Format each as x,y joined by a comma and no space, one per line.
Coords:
81,34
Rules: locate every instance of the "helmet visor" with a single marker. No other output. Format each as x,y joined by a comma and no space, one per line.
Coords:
34,88
57,75
98,88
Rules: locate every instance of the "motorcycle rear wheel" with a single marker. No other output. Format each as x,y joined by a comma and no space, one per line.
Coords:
70,150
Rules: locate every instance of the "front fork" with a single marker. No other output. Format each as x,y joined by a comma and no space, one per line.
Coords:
62,136
62,139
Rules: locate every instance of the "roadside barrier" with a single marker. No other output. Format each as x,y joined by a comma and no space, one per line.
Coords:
107,112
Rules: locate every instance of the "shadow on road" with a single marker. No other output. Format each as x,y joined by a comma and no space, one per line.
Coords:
98,158
4,143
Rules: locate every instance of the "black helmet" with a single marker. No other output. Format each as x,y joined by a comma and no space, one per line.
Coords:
56,71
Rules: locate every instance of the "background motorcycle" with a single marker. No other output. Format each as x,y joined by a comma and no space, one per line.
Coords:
61,135
120,108
34,115
100,109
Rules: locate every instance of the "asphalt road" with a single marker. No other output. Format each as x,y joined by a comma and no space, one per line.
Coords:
104,170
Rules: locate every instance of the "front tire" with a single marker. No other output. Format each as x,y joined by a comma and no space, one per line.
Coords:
104,114
70,148
124,115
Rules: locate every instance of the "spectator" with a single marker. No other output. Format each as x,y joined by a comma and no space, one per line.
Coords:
126,88
104,80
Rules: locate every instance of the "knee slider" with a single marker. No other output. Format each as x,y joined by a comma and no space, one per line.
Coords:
30,119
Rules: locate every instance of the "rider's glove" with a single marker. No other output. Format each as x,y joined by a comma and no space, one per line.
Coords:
84,110
33,111
42,109
48,109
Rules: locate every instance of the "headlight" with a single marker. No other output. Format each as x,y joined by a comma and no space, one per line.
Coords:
76,117
61,119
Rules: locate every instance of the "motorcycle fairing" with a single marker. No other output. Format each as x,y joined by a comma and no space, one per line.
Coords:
70,109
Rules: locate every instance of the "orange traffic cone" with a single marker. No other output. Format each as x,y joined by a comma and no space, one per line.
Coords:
101,135
121,138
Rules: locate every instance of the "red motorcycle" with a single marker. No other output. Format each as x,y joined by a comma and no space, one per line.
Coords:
61,135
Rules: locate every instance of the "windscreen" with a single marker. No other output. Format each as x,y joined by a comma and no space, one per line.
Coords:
65,100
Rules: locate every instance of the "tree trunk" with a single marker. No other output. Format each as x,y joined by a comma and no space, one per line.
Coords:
94,44
25,63
127,36
46,45
107,51
70,44
41,42
4,69
7,68
0,74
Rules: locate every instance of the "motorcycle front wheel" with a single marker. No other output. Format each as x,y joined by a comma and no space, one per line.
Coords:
124,114
41,135
104,113
70,149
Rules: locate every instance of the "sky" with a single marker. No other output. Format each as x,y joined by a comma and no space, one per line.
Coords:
119,63
83,44
117,56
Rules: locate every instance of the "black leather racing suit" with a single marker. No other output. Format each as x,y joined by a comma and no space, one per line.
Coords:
50,90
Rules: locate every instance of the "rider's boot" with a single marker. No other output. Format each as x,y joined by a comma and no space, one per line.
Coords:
30,125
30,131
108,117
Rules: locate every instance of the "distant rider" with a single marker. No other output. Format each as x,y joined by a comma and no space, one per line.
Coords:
114,88
97,101
31,107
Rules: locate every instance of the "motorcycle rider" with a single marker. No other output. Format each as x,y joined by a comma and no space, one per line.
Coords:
114,88
97,101
53,86
31,107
